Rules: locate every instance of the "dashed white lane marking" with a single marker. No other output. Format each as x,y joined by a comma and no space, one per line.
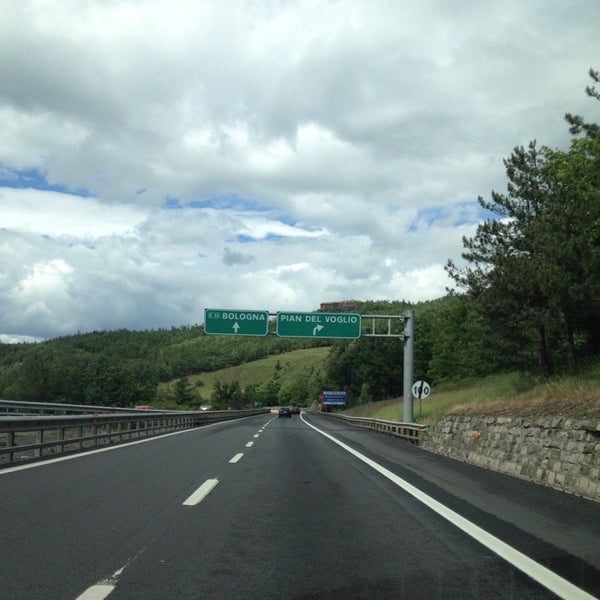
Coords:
97,592
256,435
201,492
545,577
104,587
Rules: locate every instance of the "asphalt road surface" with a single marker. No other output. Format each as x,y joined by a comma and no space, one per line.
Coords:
301,508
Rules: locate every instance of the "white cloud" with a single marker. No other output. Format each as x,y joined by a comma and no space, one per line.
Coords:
18,339
56,213
356,136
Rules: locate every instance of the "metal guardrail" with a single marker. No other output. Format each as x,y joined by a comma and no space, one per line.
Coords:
413,432
34,437
55,408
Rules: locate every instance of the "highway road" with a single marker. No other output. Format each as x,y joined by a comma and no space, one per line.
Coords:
300,508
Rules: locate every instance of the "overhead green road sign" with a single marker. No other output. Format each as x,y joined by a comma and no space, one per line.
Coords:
320,325
222,321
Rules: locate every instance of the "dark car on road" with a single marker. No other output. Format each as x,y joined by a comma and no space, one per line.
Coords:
285,411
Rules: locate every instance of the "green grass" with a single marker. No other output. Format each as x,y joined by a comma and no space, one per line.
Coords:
293,364
514,394
510,394
441,402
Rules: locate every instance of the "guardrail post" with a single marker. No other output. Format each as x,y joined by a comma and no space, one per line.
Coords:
39,439
10,443
61,438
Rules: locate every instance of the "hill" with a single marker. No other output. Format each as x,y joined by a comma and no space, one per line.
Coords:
455,341
288,367
124,368
508,394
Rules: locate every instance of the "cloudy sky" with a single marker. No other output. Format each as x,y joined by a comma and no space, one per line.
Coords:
162,157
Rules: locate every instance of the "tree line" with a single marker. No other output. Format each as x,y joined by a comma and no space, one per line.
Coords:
536,264
123,368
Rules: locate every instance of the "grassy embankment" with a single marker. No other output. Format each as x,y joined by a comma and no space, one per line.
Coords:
292,365
511,394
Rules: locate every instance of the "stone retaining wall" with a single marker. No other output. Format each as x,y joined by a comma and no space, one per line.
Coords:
556,451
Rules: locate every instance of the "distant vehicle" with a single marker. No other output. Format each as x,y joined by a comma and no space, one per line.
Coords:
295,410
285,411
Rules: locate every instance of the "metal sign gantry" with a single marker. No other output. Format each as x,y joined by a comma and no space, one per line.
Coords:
388,326
323,325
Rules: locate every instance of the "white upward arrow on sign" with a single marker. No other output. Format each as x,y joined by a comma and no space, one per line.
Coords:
236,326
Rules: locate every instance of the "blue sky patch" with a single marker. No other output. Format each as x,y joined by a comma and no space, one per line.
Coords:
172,203
273,237
243,238
220,201
288,220
32,178
234,202
461,213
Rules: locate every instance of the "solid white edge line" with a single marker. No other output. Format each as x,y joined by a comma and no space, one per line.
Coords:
236,458
201,492
49,461
545,577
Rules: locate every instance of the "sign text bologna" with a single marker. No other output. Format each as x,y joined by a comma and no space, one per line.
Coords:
236,322
322,325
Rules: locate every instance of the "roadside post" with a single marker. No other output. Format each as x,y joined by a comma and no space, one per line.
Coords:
420,390
409,345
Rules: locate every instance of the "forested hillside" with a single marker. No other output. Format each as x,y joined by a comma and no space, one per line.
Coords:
529,301
454,341
122,368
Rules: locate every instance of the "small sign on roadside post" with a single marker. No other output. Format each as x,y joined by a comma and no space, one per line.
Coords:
420,390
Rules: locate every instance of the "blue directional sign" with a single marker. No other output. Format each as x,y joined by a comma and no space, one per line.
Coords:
334,397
